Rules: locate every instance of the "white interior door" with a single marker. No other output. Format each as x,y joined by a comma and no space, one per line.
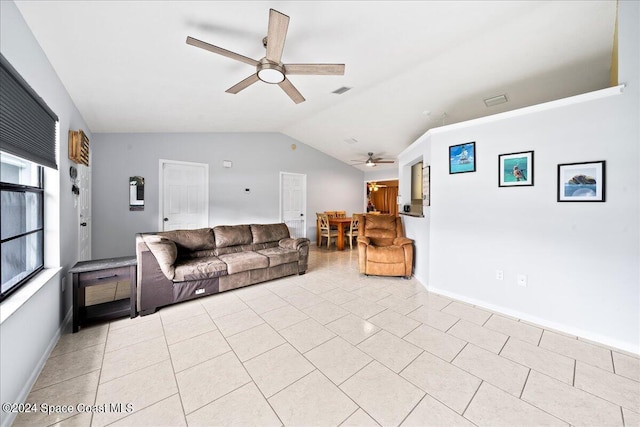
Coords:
84,213
293,202
184,195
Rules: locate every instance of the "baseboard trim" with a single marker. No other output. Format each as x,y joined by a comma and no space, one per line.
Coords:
580,333
24,393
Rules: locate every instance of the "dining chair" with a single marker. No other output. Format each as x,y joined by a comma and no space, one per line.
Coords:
318,228
332,214
341,214
325,229
353,229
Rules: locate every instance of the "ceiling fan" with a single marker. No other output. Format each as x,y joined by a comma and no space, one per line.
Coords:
374,186
270,69
372,161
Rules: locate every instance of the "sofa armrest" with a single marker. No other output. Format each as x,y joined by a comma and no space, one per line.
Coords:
165,252
364,240
401,241
296,244
154,289
302,246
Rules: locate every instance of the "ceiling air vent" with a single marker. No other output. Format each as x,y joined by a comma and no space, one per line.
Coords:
341,90
495,100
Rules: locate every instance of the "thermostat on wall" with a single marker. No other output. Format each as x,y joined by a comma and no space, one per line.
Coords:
227,163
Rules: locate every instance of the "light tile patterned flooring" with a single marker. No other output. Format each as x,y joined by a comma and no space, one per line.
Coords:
332,348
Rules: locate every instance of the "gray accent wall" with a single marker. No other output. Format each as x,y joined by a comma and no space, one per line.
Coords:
257,159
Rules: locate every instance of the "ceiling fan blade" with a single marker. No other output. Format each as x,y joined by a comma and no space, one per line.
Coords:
243,84
291,91
277,32
315,69
221,51
384,161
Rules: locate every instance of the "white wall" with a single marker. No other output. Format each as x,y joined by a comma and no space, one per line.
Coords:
581,259
28,334
258,159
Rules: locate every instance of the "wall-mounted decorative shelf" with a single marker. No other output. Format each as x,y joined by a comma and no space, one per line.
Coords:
79,147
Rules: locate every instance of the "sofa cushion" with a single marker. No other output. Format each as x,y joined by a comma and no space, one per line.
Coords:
232,235
165,252
191,240
385,254
279,256
199,269
263,233
381,229
244,261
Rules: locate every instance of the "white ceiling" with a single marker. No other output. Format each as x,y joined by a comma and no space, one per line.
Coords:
128,69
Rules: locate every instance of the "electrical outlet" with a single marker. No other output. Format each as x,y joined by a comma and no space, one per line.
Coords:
522,280
499,275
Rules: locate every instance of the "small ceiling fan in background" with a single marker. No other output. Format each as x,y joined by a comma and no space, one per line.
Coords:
372,161
374,186
270,69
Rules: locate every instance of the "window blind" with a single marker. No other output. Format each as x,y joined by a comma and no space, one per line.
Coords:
27,124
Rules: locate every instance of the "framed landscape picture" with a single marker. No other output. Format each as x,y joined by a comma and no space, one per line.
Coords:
581,182
462,158
515,169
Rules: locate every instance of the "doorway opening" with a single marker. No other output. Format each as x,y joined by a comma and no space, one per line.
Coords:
382,196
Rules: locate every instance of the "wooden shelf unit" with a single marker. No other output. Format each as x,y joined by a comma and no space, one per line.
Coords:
79,147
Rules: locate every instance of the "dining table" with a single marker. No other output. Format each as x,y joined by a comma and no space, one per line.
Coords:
340,223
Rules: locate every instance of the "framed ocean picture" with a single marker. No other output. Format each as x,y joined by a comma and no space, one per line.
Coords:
515,169
581,182
462,158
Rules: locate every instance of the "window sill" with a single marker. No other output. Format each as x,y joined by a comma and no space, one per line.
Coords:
22,295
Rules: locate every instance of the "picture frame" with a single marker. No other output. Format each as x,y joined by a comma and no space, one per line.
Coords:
426,186
582,182
515,169
462,158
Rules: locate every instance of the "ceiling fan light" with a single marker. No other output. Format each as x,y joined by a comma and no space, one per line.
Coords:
370,163
270,75
270,72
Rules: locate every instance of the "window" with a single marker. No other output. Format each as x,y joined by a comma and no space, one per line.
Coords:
21,221
27,143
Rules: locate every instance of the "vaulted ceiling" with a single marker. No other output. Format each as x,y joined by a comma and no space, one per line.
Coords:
411,65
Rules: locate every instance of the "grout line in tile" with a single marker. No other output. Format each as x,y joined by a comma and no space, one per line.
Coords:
524,384
558,417
472,397
249,373
173,369
449,328
458,353
351,376
417,326
217,398
573,381
613,363
414,407
448,304
488,318
540,339
505,344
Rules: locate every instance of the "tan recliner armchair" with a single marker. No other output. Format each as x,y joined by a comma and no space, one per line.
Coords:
383,250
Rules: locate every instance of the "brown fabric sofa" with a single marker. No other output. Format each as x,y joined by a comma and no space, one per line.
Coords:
179,265
383,250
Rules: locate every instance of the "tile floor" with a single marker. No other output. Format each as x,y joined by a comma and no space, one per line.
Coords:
333,348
